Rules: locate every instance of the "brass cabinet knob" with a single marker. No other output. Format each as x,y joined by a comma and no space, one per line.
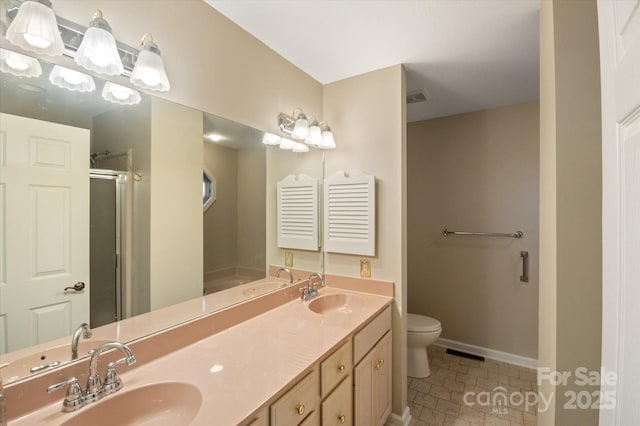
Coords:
341,368
342,419
378,365
381,361
300,409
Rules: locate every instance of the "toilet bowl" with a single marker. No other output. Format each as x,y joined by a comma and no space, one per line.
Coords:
421,332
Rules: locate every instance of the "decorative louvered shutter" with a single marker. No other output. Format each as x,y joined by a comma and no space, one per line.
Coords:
349,213
298,213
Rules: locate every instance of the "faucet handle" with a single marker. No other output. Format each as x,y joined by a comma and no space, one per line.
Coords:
73,400
112,382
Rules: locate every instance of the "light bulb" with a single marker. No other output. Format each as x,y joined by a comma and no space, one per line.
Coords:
71,79
36,41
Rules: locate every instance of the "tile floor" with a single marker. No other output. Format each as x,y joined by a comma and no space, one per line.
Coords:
467,392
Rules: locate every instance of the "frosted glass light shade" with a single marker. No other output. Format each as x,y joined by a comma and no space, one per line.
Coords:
97,51
18,64
271,139
327,139
35,29
300,147
71,79
120,94
149,72
287,143
301,127
315,135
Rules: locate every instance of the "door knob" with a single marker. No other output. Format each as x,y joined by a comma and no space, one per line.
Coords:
79,286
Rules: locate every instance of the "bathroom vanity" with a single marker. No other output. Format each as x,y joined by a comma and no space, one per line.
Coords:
273,360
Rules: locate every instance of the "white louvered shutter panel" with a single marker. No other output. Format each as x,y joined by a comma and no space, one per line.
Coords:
349,213
298,213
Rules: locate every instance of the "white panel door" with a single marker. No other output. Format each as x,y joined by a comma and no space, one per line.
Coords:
44,230
619,27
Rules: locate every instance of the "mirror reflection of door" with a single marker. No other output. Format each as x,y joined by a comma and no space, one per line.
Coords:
44,230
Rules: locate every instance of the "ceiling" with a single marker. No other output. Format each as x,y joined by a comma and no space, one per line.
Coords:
468,54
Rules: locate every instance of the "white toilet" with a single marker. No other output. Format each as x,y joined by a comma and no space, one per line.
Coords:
421,332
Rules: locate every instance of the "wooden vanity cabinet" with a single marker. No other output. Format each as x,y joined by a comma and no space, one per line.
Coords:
372,373
335,393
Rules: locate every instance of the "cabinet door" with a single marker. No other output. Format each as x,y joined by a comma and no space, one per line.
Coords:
372,390
382,380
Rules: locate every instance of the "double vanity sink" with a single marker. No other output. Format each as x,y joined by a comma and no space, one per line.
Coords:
229,376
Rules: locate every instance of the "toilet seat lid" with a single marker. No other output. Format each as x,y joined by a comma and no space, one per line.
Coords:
422,323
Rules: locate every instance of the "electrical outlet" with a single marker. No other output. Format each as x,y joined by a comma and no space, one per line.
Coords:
365,268
288,259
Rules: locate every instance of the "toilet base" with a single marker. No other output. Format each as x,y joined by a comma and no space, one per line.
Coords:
418,363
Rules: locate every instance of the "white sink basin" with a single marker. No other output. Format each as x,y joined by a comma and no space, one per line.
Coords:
158,404
336,304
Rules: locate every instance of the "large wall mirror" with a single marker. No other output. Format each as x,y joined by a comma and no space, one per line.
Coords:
129,181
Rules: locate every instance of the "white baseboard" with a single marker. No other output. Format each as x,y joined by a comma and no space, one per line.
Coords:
488,353
396,420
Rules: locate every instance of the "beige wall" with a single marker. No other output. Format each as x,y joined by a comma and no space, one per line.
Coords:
213,64
120,130
234,226
571,199
477,172
252,199
369,128
176,204
221,219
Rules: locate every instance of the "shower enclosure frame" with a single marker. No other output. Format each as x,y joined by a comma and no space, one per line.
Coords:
121,180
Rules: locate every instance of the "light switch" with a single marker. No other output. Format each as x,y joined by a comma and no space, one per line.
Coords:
365,268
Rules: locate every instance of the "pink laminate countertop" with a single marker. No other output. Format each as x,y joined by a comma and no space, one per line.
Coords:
254,361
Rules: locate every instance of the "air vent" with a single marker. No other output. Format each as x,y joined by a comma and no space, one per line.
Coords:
415,96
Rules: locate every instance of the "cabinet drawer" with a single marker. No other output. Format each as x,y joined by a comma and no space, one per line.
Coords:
297,403
335,368
366,338
337,409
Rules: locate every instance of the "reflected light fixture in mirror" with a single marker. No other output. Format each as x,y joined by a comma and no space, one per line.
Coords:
286,144
98,51
271,139
71,80
300,147
35,29
120,94
213,137
149,72
19,65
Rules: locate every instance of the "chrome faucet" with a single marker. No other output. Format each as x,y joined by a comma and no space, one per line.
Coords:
95,390
311,290
288,271
76,398
82,330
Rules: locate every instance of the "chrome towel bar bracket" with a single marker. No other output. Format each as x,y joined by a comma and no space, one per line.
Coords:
517,234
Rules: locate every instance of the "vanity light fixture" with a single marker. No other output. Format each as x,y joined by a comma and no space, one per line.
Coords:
120,94
271,139
317,134
98,51
149,72
35,29
71,79
18,64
